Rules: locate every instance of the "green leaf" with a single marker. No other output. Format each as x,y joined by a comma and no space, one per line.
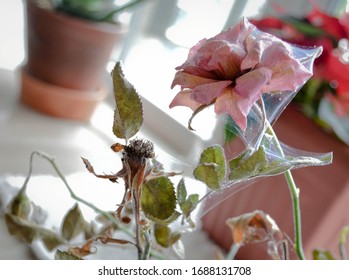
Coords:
304,27
63,255
322,255
212,167
169,220
215,154
128,114
244,167
162,235
158,198
73,223
186,203
93,10
208,173
181,192
28,232
190,204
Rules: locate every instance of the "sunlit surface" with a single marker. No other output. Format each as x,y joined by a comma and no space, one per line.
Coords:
11,35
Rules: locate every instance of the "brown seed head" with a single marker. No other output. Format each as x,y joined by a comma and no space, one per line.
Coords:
139,148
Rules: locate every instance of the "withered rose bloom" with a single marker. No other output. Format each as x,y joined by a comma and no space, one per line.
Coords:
233,69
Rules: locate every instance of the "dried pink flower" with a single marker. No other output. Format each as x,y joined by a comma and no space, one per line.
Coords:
233,69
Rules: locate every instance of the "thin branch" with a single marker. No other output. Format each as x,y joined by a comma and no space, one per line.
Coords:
51,160
342,241
233,251
294,191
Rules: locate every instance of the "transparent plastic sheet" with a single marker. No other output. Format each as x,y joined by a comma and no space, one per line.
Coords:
272,158
267,161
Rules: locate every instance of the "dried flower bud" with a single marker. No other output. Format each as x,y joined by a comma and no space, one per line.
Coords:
139,148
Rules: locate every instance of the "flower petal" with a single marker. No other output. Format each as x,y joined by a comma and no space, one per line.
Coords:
183,98
238,33
228,103
206,93
226,48
226,60
197,64
255,49
186,80
249,88
268,51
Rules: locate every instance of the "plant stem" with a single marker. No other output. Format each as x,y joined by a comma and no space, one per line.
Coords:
295,197
72,194
342,240
147,246
233,251
138,226
294,191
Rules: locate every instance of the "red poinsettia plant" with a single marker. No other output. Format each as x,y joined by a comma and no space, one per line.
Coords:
325,97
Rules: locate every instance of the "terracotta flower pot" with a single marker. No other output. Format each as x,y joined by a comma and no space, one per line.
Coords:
59,101
67,51
66,56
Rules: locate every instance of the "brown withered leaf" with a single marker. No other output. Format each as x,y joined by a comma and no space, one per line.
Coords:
89,167
82,251
117,147
253,227
65,256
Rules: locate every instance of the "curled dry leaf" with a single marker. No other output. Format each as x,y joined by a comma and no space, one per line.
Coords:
89,167
117,147
255,227
252,227
83,251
